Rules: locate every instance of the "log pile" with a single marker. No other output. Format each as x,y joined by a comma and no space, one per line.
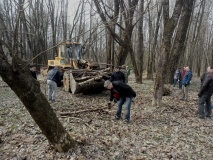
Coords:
88,81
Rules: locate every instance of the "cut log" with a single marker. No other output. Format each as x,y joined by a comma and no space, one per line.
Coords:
66,81
87,81
84,78
94,85
92,80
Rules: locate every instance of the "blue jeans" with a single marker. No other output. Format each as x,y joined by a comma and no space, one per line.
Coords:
128,101
174,82
180,84
52,88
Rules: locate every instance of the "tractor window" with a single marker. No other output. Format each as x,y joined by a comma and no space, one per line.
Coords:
72,51
69,53
62,51
77,51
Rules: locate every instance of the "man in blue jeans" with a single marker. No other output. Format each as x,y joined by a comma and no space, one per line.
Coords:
52,78
185,83
126,94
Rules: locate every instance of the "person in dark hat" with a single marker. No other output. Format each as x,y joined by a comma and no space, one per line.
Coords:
117,75
33,71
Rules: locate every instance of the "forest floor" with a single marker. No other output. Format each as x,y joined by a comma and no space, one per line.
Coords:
172,131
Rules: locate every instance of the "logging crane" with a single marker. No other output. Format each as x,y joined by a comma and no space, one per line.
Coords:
79,75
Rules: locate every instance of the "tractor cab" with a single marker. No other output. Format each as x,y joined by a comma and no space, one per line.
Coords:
68,56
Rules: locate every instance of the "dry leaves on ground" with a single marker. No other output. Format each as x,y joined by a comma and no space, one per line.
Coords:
172,131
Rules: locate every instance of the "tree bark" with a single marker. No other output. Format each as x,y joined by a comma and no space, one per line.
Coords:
180,39
169,26
19,79
140,43
211,52
151,59
125,41
196,32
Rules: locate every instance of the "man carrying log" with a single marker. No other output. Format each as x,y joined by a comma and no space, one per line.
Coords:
126,94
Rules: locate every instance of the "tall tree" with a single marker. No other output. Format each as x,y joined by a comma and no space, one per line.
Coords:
16,74
169,26
125,41
140,47
151,57
180,38
196,32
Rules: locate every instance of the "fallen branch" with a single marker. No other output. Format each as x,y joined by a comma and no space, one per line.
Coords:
82,111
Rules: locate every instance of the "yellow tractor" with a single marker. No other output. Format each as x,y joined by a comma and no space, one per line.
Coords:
79,75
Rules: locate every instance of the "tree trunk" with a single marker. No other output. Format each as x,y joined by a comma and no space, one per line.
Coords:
80,22
196,33
140,43
126,43
151,59
169,26
19,79
180,39
211,53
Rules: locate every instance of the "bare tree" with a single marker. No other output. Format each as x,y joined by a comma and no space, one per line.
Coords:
196,33
152,50
180,38
125,41
169,26
140,47
16,74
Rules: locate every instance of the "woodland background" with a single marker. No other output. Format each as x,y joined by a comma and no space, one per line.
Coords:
153,37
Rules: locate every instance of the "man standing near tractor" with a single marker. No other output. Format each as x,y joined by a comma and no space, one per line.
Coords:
52,78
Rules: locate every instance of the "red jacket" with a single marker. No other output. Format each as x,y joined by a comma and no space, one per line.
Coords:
183,73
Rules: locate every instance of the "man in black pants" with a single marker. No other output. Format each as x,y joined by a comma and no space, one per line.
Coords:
205,94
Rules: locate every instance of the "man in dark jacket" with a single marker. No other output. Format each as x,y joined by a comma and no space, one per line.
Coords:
33,71
117,75
205,94
126,94
177,78
53,77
